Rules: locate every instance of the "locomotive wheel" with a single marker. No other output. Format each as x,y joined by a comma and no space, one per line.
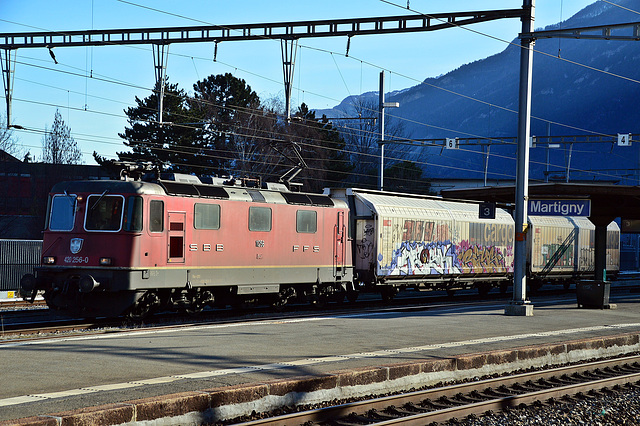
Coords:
283,298
328,293
198,301
143,306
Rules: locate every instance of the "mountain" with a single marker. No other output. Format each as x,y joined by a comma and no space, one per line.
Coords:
567,99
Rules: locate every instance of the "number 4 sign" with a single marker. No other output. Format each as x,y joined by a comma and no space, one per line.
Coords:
624,139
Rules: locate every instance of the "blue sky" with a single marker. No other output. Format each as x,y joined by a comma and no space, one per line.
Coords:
93,108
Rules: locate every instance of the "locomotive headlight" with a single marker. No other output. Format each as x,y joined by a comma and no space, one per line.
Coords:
105,261
49,260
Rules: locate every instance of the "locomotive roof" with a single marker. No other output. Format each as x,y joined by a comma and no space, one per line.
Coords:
115,186
199,190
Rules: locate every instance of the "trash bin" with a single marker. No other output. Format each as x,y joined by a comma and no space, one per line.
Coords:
593,294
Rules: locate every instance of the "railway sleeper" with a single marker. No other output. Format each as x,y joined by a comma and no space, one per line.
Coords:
407,409
354,419
381,416
434,405
524,388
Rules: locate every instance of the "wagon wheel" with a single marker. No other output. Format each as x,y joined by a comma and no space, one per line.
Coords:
484,289
388,293
534,286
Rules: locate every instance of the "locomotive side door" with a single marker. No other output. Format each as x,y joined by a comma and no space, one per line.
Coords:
339,234
176,236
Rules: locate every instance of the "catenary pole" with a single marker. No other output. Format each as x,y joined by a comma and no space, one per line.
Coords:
520,305
381,128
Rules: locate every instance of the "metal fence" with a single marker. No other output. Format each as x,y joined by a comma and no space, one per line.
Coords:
17,257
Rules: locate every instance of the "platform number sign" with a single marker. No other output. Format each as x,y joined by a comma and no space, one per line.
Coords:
487,211
451,143
624,139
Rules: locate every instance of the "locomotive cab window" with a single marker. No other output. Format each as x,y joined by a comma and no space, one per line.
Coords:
259,219
133,218
63,212
156,216
306,221
104,212
206,216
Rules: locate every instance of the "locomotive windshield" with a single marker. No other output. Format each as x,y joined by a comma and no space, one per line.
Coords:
63,212
104,212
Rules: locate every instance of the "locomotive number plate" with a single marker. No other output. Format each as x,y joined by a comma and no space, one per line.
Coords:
76,259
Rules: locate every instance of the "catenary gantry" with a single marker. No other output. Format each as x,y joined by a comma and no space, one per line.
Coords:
287,32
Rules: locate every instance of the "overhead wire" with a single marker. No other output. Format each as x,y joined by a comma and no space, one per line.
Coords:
177,148
471,98
330,52
317,144
620,6
471,151
405,76
466,28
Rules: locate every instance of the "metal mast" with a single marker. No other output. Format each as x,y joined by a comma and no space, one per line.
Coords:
520,305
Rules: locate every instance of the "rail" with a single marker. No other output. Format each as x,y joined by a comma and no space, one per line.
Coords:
474,398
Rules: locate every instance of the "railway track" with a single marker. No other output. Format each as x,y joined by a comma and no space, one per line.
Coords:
474,398
21,304
39,325
28,323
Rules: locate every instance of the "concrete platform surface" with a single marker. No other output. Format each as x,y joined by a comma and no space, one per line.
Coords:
209,372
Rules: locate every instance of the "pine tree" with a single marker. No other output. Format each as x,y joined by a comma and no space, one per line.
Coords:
174,142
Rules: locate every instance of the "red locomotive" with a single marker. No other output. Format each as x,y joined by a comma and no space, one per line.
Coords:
129,246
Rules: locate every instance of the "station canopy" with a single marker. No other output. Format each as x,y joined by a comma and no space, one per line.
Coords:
607,201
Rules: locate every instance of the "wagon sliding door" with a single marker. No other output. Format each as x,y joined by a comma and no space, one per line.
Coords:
176,235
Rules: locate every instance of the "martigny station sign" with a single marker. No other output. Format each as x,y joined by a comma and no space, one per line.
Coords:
559,207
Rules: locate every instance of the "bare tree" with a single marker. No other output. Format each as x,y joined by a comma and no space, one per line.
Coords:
8,142
257,131
362,136
58,146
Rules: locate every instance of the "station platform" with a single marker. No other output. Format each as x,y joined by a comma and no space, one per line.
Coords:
204,373
9,295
